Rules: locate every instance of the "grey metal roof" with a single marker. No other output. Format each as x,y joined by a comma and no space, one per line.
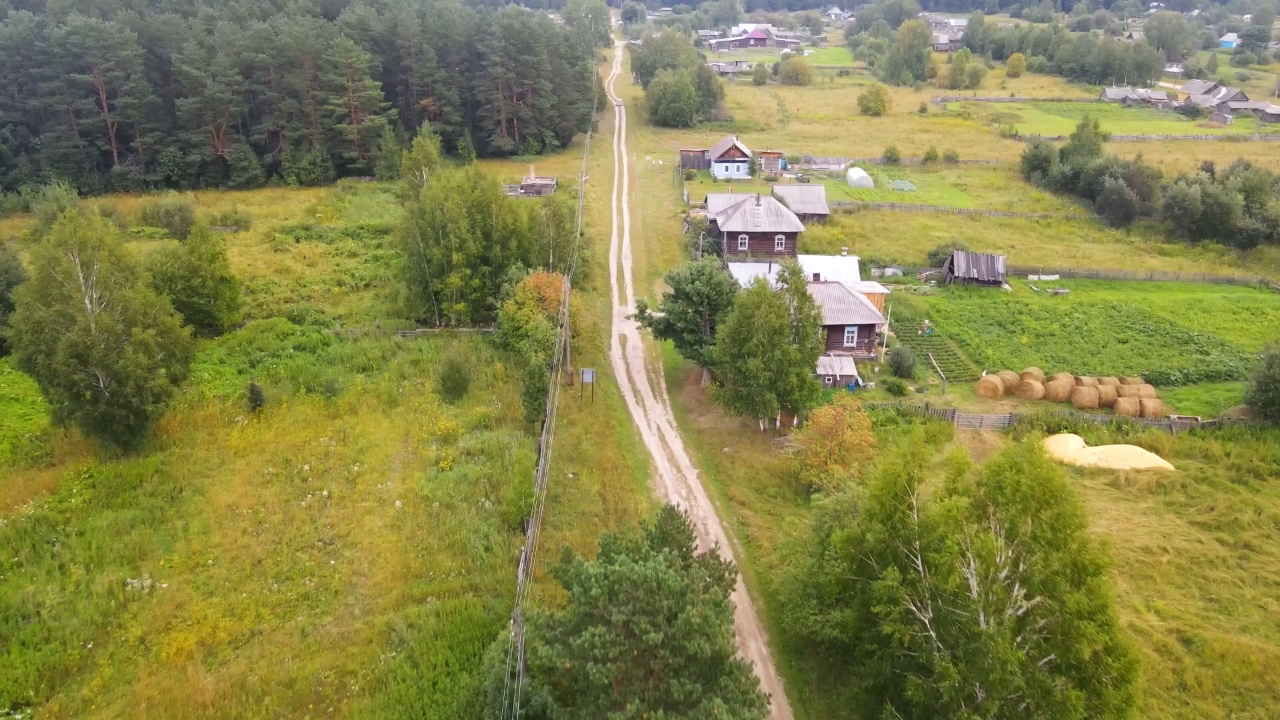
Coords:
757,214
836,365
719,202
725,143
1198,87
803,199
976,266
841,306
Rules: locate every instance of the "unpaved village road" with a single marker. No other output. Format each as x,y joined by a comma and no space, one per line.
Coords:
645,393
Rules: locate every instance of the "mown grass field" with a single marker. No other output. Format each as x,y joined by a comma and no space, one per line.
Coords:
823,119
1052,119
349,550
988,187
906,238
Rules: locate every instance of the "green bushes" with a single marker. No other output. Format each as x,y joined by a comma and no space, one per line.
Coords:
232,217
892,156
1263,393
902,362
894,386
454,379
939,254
174,213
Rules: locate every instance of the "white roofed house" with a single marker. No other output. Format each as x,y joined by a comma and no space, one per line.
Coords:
851,310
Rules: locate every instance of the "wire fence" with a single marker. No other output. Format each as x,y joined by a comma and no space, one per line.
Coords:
514,680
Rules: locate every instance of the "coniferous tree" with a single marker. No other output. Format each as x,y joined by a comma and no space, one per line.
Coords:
355,102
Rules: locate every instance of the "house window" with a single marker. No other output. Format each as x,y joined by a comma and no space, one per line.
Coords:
829,381
779,243
850,335
742,242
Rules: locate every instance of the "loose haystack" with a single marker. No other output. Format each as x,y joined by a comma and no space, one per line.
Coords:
1112,381
1084,398
1063,377
1107,396
1128,406
1030,390
1058,391
990,386
1032,373
1010,380
1129,391
1151,409
1146,391
1071,449
1086,381
1130,381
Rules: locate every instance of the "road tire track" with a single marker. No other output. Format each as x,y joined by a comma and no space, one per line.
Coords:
677,479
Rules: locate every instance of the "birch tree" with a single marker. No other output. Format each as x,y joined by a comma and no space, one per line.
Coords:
107,352
978,596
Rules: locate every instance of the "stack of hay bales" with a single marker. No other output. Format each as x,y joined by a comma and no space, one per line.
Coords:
990,386
1010,380
1128,396
1059,389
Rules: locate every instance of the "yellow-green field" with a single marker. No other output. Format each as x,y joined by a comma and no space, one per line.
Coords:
350,550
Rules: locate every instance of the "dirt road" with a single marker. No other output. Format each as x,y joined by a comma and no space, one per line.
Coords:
644,391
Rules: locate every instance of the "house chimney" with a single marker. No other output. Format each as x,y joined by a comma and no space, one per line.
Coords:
757,199
844,252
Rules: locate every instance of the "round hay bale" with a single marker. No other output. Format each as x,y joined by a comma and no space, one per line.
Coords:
989,386
1128,406
1128,391
1032,373
1010,380
1058,391
1107,396
1084,398
1146,391
1030,390
1130,381
1151,408
1063,377
1112,381
1086,381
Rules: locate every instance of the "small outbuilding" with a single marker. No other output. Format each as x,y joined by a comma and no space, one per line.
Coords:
808,202
858,178
974,268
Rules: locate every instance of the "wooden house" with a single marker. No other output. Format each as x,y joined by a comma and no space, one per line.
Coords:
752,225
730,159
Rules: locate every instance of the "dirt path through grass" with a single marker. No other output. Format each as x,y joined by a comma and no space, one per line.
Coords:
637,377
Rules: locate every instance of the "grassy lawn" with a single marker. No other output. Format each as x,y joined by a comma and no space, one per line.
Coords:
831,55
1061,118
906,237
958,186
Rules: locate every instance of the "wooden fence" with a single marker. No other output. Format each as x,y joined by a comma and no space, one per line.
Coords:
944,99
1241,137
980,421
1014,271
945,210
